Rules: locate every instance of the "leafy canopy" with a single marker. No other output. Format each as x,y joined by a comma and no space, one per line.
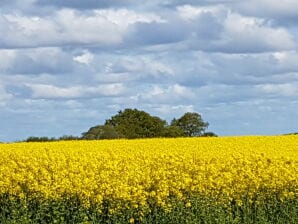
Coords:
191,123
132,123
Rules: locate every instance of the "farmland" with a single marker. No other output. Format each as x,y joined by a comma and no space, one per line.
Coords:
179,180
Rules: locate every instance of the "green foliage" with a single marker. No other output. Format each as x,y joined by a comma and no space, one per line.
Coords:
68,138
192,124
39,139
132,123
92,133
101,132
172,132
293,133
209,134
51,139
34,208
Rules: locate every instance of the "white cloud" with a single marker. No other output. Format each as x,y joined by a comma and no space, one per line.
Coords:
47,91
166,94
173,110
85,58
6,58
190,12
50,91
287,60
233,61
280,56
137,68
284,90
214,28
67,26
252,34
124,18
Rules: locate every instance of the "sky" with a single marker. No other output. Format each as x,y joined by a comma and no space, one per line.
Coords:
66,66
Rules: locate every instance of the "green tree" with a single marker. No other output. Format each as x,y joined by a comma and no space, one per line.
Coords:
40,139
209,134
92,133
101,132
132,123
191,123
68,138
172,132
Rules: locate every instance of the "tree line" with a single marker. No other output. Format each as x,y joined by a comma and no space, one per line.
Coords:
133,123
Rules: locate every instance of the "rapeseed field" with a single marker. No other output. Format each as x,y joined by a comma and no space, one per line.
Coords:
182,180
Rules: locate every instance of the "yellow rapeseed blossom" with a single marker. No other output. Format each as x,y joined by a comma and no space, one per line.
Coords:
139,171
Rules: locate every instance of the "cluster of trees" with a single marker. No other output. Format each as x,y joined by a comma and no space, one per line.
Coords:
133,123
292,133
51,139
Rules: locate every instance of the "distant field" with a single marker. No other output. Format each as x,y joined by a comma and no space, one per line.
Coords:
183,180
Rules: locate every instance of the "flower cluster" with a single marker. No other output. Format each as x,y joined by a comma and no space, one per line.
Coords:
144,171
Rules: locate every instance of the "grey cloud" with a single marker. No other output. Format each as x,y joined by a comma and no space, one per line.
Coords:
195,69
37,61
92,4
213,30
4,95
207,29
235,69
286,22
207,26
249,41
6,2
157,33
233,62
255,68
232,32
6,5
277,13
285,11
204,27
89,4
12,2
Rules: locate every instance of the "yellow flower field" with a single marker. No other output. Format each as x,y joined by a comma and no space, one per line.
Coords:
139,171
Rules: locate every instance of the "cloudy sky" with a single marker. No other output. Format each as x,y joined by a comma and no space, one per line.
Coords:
68,65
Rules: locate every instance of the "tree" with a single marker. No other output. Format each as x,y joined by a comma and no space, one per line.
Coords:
40,139
132,123
172,132
191,123
92,133
68,138
209,134
109,132
101,132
